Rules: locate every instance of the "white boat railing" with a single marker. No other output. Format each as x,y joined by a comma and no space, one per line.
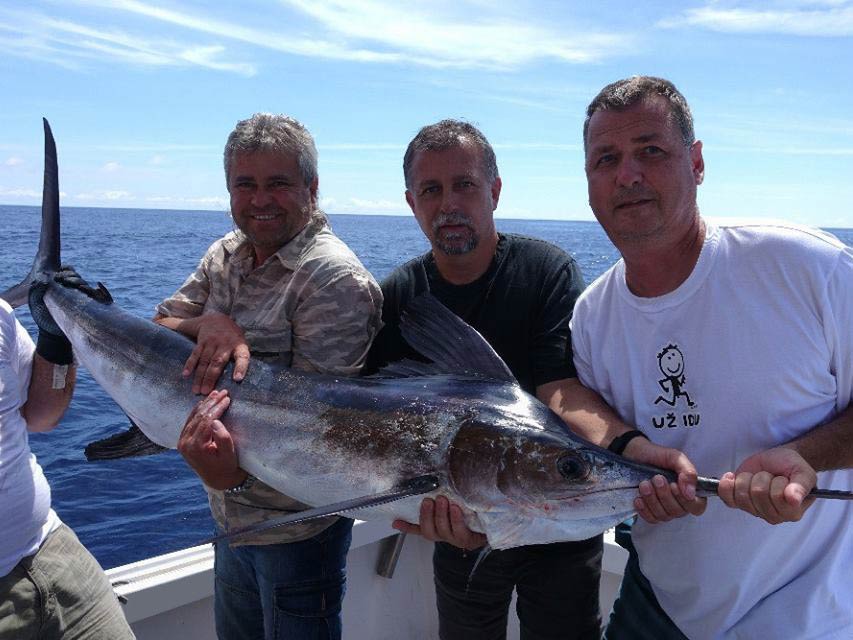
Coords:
171,596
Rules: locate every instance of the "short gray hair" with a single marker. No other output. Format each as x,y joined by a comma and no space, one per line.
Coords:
273,133
625,93
449,134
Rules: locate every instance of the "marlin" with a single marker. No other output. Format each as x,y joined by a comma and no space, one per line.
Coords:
459,425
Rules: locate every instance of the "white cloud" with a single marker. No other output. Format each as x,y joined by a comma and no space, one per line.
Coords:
744,127
157,160
206,57
457,34
13,161
213,202
277,41
111,167
25,45
20,193
156,148
827,19
103,196
443,34
68,43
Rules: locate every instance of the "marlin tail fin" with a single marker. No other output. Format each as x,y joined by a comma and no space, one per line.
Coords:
47,258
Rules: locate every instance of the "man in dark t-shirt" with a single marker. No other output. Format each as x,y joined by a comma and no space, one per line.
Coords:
518,293
521,305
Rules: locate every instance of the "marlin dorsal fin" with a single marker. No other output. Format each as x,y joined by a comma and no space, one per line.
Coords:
454,346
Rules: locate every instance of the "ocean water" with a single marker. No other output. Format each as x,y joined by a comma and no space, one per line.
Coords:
127,510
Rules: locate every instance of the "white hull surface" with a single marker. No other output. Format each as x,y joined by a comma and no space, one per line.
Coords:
171,596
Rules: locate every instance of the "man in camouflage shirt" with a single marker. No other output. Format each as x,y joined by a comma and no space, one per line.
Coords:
284,289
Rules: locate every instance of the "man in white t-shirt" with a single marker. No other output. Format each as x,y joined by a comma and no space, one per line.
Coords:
50,586
734,344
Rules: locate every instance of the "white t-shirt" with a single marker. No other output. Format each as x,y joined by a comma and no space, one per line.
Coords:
25,514
752,350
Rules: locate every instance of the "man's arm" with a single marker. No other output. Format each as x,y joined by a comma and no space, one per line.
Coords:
53,372
589,416
829,446
773,484
45,404
218,338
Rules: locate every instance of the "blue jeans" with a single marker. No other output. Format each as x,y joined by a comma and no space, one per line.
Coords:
557,586
636,613
289,591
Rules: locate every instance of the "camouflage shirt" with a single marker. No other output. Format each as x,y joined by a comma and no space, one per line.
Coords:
311,306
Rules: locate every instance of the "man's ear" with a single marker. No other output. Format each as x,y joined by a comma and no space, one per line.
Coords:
496,192
697,161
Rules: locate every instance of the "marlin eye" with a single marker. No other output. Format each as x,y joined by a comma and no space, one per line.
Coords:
573,468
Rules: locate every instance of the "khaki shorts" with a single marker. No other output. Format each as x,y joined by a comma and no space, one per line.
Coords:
60,592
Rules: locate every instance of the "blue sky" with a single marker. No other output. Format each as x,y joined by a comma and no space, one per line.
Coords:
142,95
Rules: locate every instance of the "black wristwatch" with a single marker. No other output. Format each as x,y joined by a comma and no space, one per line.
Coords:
618,444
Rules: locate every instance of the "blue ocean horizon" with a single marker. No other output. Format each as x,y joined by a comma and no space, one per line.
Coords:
128,510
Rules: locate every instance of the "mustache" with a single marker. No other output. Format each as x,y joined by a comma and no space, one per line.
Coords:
451,218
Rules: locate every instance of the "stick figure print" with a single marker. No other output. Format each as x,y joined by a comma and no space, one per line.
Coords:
671,364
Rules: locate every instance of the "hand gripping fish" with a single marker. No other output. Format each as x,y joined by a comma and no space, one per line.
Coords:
460,426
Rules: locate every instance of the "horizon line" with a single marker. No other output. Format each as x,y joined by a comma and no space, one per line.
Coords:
340,213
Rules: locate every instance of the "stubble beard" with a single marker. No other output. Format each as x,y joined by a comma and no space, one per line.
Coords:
633,227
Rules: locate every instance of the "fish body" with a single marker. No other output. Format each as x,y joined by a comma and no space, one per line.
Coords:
520,476
509,461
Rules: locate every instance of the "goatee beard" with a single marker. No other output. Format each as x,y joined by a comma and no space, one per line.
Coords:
449,243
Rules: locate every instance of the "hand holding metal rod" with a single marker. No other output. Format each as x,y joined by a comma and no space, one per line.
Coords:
709,487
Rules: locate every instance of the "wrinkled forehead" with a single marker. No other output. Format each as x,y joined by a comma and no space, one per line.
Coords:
264,161
465,158
650,116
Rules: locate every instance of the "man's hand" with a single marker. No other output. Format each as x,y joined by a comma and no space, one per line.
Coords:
661,500
207,446
771,485
53,345
441,520
218,340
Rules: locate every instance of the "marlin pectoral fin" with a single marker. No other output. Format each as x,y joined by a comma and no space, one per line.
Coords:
413,487
454,346
127,444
